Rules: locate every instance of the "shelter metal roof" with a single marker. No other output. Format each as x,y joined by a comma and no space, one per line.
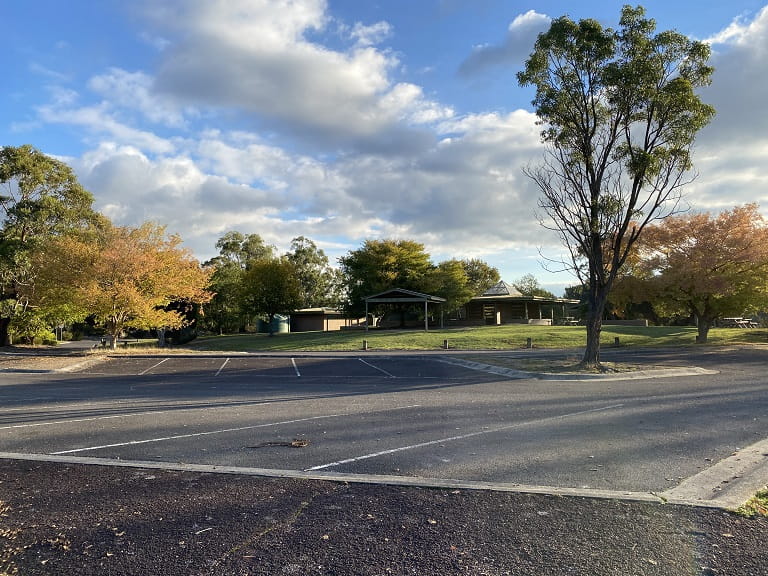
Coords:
402,295
502,289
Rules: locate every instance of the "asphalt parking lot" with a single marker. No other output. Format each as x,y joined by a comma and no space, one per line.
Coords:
395,464
409,416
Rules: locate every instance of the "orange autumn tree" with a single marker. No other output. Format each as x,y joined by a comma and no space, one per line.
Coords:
707,266
127,278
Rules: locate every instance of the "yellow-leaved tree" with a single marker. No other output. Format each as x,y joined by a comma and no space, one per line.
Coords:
125,279
703,265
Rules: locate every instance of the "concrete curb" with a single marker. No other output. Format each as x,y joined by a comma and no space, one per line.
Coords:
420,482
635,375
728,483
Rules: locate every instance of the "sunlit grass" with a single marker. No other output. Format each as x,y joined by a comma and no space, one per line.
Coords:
507,337
756,506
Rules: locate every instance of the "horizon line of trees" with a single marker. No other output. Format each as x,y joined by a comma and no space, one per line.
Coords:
61,263
250,280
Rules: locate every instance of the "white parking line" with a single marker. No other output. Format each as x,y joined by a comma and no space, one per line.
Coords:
153,367
454,438
293,361
377,368
224,431
133,414
226,360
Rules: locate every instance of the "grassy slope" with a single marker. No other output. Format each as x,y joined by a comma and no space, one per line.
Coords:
506,337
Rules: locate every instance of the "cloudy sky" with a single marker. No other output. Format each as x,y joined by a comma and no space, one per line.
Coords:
340,120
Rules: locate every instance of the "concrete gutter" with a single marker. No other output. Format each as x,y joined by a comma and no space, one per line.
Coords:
726,485
629,375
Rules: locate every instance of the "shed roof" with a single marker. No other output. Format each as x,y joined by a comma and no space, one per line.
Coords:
396,295
318,311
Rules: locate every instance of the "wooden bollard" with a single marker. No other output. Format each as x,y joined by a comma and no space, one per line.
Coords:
616,341
529,342
365,344
445,344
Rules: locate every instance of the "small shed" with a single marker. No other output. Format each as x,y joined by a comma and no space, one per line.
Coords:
320,319
403,296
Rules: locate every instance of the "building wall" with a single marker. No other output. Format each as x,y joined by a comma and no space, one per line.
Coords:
478,313
317,323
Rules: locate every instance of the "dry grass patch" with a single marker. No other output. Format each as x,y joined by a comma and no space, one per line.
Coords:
565,365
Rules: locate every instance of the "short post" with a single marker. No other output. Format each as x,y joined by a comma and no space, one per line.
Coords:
365,344
445,344
616,341
529,343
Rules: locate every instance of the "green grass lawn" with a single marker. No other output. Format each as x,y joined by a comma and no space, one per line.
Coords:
507,337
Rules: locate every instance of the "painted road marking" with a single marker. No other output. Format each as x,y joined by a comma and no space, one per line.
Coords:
226,360
224,431
460,437
135,414
293,361
153,367
377,368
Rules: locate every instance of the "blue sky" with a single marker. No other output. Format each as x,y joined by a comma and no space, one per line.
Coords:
340,120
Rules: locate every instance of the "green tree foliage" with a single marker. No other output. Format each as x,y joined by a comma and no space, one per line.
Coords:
318,280
480,275
240,250
704,266
237,251
528,285
449,280
30,328
380,265
271,287
619,113
40,199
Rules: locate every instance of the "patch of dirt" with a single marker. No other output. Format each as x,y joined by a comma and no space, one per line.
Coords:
569,365
32,360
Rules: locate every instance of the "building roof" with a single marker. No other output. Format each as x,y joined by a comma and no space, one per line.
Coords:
322,310
502,289
396,295
506,292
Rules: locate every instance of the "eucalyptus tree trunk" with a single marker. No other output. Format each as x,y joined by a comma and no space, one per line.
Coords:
702,331
598,296
5,337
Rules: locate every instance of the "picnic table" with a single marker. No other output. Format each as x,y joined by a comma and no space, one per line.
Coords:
738,322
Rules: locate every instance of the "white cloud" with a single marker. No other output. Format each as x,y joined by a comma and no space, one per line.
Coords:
134,91
459,194
513,50
370,35
733,150
99,120
744,32
260,61
331,144
54,75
